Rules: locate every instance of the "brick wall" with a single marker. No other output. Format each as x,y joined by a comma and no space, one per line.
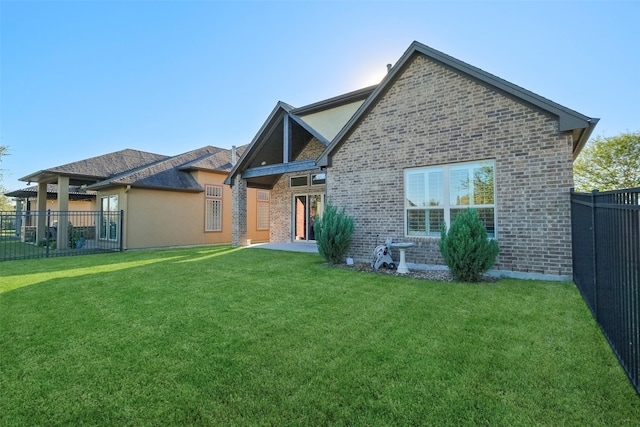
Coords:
433,115
282,195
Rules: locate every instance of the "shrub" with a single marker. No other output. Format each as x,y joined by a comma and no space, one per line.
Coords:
466,249
333,233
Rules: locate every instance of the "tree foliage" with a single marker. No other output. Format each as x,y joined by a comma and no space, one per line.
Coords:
3,152
5,203
609,163
465,247
333,233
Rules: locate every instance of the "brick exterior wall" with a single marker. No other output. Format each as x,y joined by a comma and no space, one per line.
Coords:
239,212
432,116
282,195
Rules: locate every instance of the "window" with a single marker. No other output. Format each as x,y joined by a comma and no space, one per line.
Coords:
318,178
213,208
109,217
435,195
299,181
263,210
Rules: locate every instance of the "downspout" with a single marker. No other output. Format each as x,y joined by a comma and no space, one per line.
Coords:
124,221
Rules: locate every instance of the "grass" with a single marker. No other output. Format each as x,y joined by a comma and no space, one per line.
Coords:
12,248
221,336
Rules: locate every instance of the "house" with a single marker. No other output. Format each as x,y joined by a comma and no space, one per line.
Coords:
436,136
79,200
165,200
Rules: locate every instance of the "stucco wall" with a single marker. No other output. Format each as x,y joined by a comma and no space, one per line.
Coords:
74,205
433,116
330,122
157,218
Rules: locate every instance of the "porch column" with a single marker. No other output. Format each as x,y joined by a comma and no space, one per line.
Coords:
41,225
239,212
63,207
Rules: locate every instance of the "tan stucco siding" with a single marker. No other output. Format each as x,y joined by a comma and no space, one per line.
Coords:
74,205
253,232
163,218
329,122
434,116
158,218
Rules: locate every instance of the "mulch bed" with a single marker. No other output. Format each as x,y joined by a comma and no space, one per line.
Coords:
436,275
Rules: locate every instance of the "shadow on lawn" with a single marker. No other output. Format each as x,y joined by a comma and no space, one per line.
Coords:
32,272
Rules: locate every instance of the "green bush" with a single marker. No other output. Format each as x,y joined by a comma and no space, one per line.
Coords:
333,233
465,247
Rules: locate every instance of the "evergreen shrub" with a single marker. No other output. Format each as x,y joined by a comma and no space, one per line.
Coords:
465,247
333,233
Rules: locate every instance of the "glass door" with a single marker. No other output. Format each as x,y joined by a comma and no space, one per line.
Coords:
305,209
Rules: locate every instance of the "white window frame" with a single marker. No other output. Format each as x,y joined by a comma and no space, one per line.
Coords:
440,200
213,208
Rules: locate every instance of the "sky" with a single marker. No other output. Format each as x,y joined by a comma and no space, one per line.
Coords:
83,78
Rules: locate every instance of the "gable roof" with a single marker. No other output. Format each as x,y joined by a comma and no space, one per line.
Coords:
220,161
569,120
261,151
171,173
141,169
96,168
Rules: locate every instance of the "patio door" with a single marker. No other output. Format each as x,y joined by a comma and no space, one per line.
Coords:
305,208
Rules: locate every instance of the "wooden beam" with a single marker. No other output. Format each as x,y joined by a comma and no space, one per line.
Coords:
303,165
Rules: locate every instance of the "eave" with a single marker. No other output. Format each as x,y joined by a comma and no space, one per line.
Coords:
568,120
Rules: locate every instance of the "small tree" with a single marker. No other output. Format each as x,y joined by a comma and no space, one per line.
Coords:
333,233
610,163
465,247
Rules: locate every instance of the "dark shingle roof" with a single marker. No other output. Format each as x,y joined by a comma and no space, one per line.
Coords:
172,173
99,167
220,161
141,169
75,193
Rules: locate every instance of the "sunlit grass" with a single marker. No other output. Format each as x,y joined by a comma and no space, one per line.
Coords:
222,336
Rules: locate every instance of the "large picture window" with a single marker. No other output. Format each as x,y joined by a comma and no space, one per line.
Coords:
213,208
435,195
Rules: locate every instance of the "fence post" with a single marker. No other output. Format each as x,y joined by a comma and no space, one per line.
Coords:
121,229
46,234
594,198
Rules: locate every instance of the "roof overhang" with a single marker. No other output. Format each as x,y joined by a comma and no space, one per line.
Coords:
568,120
51,177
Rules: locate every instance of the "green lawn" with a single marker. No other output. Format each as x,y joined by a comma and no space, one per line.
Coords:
12,248
221,336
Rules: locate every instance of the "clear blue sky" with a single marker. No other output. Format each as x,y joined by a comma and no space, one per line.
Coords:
84,78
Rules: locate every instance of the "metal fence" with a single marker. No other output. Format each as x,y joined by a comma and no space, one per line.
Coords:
606,268
43,234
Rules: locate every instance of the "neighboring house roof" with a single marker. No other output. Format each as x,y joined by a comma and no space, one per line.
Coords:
171,173
141,169
97,168
569,120
75,193
221,161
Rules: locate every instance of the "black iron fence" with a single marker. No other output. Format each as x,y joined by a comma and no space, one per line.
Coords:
606,268
43,234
